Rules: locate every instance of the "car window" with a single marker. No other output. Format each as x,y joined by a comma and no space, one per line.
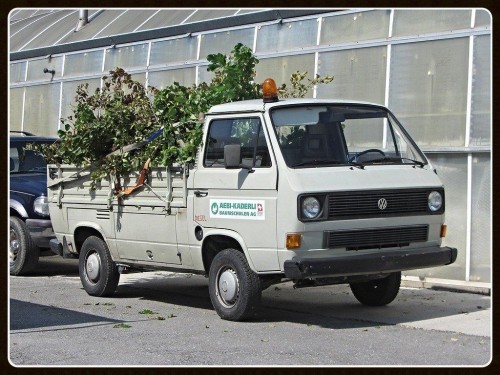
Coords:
23,159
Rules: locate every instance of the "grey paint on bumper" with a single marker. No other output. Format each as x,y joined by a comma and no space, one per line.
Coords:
373,263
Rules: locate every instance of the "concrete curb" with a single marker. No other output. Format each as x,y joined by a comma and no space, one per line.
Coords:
449,285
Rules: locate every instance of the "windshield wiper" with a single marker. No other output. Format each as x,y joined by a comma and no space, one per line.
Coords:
356,164
419,163
314,162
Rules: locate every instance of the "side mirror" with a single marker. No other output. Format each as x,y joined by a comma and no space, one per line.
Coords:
232,156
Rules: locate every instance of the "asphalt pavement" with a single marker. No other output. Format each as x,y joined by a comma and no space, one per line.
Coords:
166,319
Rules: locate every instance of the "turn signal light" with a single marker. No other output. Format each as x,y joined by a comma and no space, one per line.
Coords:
270,91
443,230
293,241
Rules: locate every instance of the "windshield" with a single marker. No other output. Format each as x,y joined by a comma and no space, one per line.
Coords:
328,135
24,159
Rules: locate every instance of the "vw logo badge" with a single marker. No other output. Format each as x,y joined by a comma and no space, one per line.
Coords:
382,204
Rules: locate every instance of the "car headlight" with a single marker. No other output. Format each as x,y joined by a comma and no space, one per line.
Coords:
435,201
41,206
310,207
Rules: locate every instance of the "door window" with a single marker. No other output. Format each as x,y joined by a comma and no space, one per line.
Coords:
247,132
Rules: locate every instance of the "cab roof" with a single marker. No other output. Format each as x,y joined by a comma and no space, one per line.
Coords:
258,105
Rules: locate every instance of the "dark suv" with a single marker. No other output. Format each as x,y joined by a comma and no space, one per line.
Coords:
30,226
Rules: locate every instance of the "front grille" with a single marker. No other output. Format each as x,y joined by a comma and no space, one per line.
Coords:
376,238
366,204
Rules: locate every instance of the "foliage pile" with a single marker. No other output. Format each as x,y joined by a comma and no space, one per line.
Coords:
124,112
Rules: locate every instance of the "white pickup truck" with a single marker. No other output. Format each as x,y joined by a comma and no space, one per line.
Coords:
313,191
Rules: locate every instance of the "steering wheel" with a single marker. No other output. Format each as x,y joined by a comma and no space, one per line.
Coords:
366,152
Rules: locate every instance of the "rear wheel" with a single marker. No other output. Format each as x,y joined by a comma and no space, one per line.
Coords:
234,288
378,292
98,272
23,254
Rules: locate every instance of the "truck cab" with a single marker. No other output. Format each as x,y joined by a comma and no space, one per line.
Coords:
311,191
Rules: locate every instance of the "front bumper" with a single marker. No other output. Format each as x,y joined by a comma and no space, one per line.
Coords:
41,231
373,263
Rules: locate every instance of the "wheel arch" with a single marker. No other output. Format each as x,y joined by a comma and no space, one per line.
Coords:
85,230
17,209
218,240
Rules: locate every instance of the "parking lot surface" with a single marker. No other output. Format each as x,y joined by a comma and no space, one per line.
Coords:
166,319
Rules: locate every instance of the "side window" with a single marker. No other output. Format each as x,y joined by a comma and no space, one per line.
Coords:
247,132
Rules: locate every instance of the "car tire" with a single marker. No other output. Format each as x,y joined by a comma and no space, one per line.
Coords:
377,292
98,273
23,253
234,289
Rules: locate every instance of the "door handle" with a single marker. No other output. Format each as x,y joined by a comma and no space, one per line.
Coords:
201,193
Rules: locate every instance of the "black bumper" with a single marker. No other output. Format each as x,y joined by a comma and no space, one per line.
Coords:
365,264
41,231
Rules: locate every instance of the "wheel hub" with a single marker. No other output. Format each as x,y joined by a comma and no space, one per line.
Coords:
228,286
14,246
92,266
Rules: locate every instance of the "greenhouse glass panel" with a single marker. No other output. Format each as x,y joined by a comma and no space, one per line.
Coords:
286,36
359,74
129,57
83,63
36,67
69,94
41,109
16,108
452,170
164,18
480,131
160,80
481,226
95,26
17,72
426,21
281,69
483,18
225,41
173,51
209,14
204,75
128,22
428,90
355,27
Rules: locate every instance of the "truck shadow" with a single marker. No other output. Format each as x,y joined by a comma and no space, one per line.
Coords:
54,265
328,306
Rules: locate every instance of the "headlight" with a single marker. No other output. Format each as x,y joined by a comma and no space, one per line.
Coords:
435,201
41,206
310,208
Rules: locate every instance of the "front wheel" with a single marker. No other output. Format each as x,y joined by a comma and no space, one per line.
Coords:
23,254
378,292
98,272
234,288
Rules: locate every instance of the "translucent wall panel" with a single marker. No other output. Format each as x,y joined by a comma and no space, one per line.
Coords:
480,132
359,74
204,75
452,170
163,79
428,90
225,41
36,67
281,68
173,51
483,18
480,261
69,94
16,108
83,63
355,27
129,57
420,21
41,109
290,35
17,72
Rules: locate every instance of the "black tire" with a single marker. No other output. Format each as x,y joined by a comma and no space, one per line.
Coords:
98,272
234,289
377,292
23,253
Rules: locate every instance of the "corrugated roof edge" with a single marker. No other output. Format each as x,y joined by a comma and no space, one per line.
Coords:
248,18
